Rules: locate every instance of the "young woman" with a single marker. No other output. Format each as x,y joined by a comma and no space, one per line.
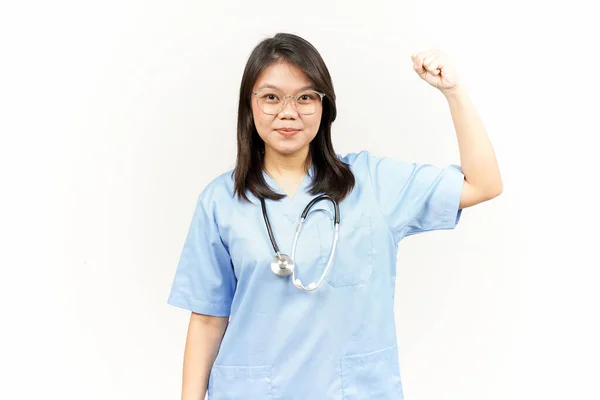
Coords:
290,261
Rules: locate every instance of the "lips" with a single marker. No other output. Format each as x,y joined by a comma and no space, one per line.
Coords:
288,131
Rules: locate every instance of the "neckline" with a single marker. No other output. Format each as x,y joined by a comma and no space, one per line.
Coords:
300,191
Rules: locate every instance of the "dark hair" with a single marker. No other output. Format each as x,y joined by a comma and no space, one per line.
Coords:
332,176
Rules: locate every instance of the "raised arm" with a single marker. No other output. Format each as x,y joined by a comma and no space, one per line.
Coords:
478,160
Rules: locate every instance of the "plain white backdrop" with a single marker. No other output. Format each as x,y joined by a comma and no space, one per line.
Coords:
115,114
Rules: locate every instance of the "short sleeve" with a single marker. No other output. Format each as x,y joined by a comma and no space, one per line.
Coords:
204,279
416,198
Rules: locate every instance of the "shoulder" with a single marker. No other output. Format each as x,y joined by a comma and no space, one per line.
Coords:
365,158
377,168
355,159
365,163
360,163
362,159
218,192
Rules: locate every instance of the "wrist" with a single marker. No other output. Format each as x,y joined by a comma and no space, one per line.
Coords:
456,93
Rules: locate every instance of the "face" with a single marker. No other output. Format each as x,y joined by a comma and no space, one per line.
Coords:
289,132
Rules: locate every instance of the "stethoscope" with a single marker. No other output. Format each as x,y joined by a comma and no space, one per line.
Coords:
282,264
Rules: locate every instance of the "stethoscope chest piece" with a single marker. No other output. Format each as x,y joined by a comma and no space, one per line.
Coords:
282,265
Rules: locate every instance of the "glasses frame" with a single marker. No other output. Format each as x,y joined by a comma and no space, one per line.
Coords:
295,97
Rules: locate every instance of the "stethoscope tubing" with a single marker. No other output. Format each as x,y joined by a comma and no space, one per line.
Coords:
297,282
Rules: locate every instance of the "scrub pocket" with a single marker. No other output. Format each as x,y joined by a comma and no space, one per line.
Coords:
372,376
234,383
353,260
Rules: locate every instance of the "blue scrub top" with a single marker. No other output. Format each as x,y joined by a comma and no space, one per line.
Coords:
338,342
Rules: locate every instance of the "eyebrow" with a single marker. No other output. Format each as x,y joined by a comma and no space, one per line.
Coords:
267,85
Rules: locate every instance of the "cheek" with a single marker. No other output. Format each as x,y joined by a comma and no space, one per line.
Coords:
260,122
313,124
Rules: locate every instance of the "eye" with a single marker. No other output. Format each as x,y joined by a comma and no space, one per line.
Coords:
270,97
307,98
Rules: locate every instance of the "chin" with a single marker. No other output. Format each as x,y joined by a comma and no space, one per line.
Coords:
289,149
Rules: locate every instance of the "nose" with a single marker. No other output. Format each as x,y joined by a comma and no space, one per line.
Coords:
289,110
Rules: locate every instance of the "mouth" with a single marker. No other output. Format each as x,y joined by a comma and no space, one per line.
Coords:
288,132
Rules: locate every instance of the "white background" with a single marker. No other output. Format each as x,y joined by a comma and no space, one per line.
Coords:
115,114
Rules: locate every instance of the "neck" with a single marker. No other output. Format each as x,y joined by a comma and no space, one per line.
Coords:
280,165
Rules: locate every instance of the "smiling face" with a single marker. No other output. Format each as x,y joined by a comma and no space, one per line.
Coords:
286,133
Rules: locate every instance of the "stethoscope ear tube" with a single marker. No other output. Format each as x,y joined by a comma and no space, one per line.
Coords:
264,211
316,200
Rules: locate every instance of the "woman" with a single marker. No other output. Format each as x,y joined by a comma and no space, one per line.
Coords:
281,315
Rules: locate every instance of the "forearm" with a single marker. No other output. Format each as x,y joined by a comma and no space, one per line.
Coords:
202,345
478,160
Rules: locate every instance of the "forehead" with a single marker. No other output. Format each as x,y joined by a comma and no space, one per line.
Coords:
284,76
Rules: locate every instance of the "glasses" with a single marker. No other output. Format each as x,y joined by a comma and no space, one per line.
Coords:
272,102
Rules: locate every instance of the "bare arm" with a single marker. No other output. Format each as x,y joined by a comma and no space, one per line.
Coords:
202,345
478,160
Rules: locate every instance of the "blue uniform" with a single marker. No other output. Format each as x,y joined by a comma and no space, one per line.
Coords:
338,342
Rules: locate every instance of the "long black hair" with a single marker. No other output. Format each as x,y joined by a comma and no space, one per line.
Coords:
332,176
